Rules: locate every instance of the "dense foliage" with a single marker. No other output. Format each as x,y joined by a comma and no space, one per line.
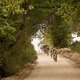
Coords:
15,36
58,33
59,30
20,20
75,46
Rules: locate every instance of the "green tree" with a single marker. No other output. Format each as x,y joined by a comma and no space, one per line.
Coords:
58,33
20,20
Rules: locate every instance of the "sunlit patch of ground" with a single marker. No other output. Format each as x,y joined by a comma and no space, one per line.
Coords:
48,69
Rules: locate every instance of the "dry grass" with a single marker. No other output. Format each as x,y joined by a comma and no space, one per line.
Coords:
66,52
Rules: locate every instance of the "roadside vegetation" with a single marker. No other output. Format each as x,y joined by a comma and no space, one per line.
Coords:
21,19
75,46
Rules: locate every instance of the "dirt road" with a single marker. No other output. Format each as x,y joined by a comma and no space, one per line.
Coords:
48,69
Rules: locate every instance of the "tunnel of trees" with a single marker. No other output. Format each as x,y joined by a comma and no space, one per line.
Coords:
21,19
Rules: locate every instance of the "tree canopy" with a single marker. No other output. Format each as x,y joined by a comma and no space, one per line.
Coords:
21,19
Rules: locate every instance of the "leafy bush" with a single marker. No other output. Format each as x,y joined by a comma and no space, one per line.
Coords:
75,46
15,58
